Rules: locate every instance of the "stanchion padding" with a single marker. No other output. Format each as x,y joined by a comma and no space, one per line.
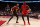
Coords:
1,22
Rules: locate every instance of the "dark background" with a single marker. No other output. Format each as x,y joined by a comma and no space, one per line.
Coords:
21,0
33,6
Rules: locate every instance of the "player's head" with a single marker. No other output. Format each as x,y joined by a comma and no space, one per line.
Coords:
24,3
17,5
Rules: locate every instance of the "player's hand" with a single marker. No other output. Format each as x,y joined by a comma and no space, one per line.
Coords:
29,11
11,13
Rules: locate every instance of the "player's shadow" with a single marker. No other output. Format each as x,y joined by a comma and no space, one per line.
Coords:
18,24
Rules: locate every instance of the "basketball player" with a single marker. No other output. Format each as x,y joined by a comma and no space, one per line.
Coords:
14,12
24,8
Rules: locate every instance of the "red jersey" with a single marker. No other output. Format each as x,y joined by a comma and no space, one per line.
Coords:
24,7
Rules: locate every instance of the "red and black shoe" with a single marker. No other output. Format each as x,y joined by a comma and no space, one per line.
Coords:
17,22
29,23
24,23
7,22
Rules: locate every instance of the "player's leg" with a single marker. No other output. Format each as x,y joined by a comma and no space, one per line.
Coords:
16,16
28,19
10,19
23,19
17,19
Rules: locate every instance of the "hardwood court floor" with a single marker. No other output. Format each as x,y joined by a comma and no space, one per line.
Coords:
12,23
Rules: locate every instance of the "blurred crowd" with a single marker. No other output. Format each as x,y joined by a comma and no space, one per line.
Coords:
35,11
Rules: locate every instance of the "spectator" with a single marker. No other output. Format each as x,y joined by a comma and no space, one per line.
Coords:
7,9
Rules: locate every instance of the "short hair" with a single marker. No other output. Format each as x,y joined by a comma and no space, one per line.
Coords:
18,4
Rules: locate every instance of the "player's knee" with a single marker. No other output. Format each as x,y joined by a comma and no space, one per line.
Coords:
27,15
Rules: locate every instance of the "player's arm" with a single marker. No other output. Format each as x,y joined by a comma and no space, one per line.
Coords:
29,8
12,9
21,8
18,7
